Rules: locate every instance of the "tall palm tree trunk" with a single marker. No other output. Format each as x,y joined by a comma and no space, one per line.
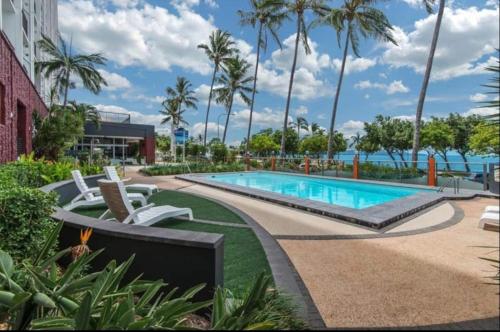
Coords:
173,151
337,95
425,83
290,87
227,118
254,88
208,107
66,88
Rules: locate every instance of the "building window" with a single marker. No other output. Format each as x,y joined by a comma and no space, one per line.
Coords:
3,110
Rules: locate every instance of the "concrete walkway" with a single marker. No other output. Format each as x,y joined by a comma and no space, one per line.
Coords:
435,277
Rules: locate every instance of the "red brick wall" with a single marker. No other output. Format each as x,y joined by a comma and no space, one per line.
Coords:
19,90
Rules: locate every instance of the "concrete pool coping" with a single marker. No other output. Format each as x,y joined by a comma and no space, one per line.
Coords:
375,217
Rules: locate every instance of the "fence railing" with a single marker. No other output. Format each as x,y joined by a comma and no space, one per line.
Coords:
430,172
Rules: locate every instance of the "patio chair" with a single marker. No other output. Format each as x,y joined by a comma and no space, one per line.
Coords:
112,175
115,195
492,208
490,221
88,198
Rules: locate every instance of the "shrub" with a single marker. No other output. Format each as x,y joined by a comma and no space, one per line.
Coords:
33,173
40,296
193,168
24,220
219,152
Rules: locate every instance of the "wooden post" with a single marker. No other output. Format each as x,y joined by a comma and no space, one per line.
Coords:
355,167
247,162
307,165
273,163
431,174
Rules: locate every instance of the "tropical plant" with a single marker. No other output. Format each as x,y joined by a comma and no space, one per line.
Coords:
437,136
300,123
368,146
263,144
427,76
356,141
291,140
359,18
316,129
403,137
233,80
314,145
463,128
339,142
268,15
63,64
485,139
182,95
382,133
219,50
60,130
299,9
493,118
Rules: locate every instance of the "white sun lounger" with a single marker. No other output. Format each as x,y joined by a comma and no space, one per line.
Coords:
491,218
112,175
492,208
115,195
88,198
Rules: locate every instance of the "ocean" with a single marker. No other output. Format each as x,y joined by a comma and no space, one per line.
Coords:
455,160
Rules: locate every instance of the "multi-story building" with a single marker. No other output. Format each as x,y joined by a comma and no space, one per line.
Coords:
22,90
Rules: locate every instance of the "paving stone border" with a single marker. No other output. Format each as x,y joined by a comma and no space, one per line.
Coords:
375,217
458,216
284,273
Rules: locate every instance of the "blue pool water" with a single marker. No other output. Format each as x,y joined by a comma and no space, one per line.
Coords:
350,194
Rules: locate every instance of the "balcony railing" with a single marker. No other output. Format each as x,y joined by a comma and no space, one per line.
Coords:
114,117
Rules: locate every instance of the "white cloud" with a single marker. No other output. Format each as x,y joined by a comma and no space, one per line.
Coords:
481,111
115,81
351,128
492,3
146,35
184,4
267,118
392,88
199,129
274,74
353,65
467,37
478,97
301,111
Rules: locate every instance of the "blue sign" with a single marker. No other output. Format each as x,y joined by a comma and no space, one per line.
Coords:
181,135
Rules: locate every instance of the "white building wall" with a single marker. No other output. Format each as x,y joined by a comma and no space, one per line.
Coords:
24,22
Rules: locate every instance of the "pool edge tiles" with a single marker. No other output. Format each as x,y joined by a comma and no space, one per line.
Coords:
375,217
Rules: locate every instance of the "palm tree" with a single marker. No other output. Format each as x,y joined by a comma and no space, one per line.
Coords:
63,64
172,115
298,8
359,18
356,141
182,94
300,123
427,75
268,15
234,80
219,51
316,129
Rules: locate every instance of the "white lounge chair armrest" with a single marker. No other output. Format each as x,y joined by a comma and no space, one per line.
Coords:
136,212
104,214
94,190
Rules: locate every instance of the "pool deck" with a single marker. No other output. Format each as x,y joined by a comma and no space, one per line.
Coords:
423,270
375,217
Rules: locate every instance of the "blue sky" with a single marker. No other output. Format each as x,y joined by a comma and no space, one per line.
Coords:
150,43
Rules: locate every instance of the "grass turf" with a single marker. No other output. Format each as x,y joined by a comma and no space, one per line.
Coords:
244,257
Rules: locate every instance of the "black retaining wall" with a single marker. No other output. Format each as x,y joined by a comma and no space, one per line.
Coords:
181,258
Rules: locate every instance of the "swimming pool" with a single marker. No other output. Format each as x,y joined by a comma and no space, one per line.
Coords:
350,194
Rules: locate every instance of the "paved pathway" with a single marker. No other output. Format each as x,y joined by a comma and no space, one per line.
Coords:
433,278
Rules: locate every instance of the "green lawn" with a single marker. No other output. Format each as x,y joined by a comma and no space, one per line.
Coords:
244,257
